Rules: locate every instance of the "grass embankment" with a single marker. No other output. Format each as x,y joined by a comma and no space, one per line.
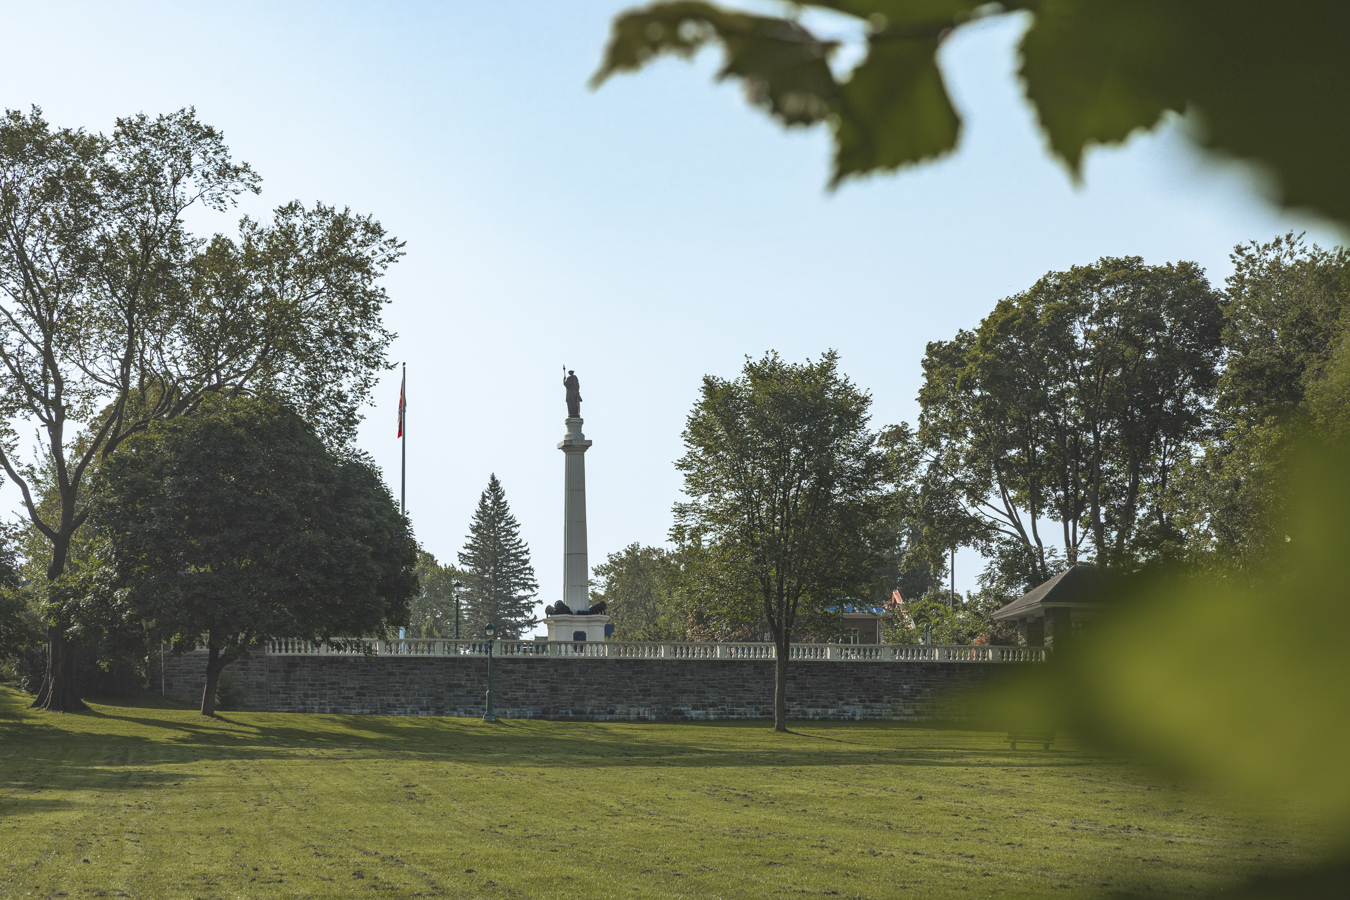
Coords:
146,801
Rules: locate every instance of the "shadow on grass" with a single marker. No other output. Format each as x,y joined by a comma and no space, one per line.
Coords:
146,729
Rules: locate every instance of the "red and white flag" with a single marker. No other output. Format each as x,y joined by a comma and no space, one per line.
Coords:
402,403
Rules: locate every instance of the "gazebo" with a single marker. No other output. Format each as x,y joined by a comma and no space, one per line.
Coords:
1051,610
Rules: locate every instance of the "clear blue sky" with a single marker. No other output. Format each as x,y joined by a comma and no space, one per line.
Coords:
644,234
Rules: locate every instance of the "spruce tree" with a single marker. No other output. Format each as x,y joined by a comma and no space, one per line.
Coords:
499,580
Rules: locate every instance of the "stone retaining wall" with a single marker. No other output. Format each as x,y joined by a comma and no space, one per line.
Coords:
593,689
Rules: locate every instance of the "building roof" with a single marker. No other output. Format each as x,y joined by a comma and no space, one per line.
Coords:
860,609
1075,586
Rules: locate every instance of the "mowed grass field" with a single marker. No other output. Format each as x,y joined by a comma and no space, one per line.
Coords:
140,799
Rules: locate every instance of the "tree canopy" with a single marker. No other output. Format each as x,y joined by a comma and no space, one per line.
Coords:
1286,317
1075,402
113,316
785,483
434,609
1251,78
237,525
16,626
638,586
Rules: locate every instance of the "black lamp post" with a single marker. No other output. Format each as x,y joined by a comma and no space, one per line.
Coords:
454,590
490,630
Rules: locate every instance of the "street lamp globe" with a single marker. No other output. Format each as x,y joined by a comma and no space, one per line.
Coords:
455,585
490,629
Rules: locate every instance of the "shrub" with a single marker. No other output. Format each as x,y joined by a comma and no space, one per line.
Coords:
229,695
120,675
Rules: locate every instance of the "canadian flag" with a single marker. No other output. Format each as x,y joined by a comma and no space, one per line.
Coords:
402,403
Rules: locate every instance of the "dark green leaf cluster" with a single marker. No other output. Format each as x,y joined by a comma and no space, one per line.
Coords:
237,525
1253,77
498,577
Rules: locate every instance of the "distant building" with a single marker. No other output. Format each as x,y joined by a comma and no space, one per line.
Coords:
857,625
863,626
1054,609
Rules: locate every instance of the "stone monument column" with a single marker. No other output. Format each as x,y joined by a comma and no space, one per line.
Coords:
576,571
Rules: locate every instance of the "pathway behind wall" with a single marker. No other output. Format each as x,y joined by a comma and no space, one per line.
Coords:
594,689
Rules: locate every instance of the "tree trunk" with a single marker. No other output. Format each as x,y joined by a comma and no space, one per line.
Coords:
58,692
214,666
780,665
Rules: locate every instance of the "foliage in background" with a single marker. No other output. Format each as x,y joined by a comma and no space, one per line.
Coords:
498,576
1287,312
433,610
940,617
905,561
237,525
110,648
1235,683
1073,402
639,588
785,484
114,316
1252,77
19,626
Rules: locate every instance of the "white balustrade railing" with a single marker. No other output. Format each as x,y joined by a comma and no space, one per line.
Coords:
441,647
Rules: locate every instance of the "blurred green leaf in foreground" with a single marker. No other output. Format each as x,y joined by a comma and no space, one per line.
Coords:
1240,682
1235,677
1236,682
1257,79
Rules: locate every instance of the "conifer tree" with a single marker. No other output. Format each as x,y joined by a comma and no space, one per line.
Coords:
499,580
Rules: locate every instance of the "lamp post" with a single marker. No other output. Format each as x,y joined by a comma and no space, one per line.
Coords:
454,592
490,630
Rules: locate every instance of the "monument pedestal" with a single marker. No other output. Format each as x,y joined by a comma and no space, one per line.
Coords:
567,628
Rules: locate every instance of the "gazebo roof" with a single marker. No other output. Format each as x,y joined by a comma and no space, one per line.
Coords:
1076,586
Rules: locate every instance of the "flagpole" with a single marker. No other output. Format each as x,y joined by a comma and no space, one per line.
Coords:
403,427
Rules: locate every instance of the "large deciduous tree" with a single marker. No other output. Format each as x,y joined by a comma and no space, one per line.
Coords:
237,525
499,578
113,316
785,484
1074,402
1253,75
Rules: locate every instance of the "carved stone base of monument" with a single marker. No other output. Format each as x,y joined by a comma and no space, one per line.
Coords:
576,628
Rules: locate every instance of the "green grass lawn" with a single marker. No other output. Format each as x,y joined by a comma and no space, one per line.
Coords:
141,799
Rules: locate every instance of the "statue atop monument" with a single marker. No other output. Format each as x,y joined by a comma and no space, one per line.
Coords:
573,394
